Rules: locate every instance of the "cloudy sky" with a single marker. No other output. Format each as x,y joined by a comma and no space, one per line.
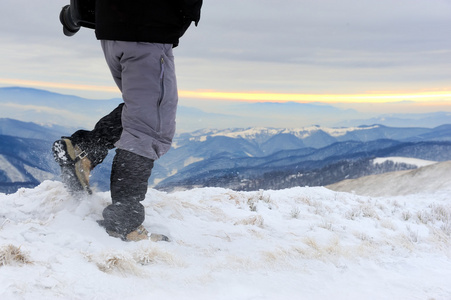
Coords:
334,51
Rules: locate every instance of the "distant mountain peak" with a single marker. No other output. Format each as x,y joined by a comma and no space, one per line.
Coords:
253,133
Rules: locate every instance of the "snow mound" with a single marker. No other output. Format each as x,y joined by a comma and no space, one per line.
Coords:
426,179
300,243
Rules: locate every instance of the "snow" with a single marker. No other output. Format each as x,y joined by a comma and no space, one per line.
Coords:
299,243
10,170
400,183
406,160
191,160
254,133
336,132
40,175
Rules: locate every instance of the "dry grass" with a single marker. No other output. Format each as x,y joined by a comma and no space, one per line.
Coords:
259,196
406,215
253,220
131,264
295,212
365,210
12,255
152,255
119,263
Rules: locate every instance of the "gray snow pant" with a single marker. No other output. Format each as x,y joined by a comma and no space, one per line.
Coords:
141,128
145,74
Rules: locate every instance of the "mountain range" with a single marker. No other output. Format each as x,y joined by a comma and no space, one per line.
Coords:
241,159
265,158
48,108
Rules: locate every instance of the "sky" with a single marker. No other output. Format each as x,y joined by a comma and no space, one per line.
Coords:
357,52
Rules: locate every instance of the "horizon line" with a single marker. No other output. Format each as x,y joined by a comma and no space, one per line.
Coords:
261,96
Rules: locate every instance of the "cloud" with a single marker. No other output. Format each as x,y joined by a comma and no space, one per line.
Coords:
274,31
292,46
320,46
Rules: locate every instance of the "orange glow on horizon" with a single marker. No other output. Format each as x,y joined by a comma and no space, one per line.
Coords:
327,98
432,97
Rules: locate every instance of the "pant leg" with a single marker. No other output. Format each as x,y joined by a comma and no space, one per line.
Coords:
102,138
145,73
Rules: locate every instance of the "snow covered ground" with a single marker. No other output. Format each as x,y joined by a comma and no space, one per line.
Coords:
300,243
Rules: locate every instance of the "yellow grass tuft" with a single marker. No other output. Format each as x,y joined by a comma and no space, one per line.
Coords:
12,255
119,263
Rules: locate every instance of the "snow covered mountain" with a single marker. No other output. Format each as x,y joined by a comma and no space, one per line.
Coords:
44,107
247,159
31,130
403,120
400,183
24,162
311,135
304,167
299,243
252,158
316,136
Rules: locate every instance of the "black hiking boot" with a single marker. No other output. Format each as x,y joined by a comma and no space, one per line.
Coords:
123,218
75,165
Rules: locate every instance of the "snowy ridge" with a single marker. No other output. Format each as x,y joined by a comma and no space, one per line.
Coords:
405,160
11,172
255,133
300,243
426,179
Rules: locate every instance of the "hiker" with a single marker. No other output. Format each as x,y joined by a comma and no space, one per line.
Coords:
137,38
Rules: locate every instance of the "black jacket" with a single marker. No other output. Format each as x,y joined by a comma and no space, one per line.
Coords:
153,21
